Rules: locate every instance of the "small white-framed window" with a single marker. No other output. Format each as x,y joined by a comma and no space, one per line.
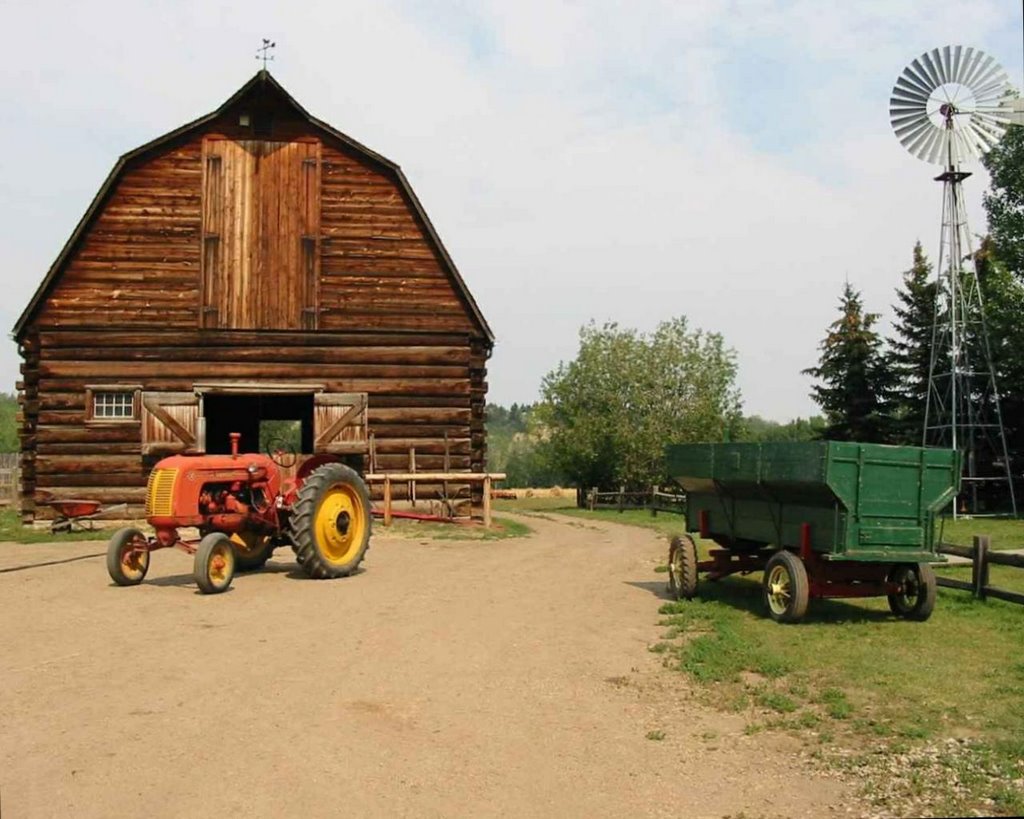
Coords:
114,406
107,404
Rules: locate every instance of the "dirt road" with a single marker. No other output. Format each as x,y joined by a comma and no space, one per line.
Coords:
509,678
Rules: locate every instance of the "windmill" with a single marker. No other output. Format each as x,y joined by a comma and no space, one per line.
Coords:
948,107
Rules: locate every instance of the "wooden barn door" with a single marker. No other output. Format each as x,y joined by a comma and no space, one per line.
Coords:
339,422
261,224
171,423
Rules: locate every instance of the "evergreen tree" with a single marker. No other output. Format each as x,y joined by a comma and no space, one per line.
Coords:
1003,297
855,381
911,349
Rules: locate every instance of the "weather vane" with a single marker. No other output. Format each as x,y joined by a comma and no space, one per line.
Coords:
263,52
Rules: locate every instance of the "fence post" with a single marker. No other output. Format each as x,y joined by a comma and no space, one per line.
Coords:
593,498
387,500
622,498
979,566
487,501
654,501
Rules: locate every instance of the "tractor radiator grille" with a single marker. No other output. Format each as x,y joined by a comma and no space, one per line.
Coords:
160,492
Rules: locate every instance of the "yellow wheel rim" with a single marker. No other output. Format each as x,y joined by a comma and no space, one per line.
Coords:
340,524
134,561
779,593
219,566
676,566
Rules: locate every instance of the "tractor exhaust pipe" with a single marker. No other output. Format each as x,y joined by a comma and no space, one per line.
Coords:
235,438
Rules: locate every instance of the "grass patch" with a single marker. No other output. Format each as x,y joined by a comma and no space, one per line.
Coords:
1005,533
776,701
666,523
501,528
872,686
656,736
835,703
11,531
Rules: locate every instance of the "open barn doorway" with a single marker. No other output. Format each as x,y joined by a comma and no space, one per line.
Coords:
265,421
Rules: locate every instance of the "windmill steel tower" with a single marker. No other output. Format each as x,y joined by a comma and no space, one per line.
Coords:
949,107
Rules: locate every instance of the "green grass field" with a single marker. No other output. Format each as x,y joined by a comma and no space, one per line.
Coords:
929,716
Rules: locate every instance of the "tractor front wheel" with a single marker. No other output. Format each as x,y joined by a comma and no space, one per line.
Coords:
127,557
330,522
915,599
214,566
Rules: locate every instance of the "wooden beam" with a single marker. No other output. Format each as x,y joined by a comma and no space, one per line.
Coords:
433,477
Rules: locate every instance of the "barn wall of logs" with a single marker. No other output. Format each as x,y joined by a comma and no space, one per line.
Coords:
132,305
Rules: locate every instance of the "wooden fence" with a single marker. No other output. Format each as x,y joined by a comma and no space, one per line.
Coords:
388,479
653,499
8,478
981,557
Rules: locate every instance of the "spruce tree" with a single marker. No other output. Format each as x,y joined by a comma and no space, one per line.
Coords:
1003,296
854,380
911,349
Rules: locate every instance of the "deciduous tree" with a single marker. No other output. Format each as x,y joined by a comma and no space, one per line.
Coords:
1004,201
610,412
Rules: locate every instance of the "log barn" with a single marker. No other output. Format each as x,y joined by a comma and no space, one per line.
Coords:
253,265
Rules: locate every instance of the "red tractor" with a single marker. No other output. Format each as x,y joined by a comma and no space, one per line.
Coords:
244,510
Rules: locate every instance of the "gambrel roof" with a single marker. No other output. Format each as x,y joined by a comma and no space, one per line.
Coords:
264,82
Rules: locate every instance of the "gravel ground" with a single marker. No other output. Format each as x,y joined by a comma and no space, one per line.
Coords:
447,678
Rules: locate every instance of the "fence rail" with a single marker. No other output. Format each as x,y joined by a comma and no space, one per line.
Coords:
653,499
981,557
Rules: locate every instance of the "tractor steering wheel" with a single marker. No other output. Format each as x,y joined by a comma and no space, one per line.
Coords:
282,452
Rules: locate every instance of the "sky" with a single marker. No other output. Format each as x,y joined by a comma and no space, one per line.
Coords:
731,162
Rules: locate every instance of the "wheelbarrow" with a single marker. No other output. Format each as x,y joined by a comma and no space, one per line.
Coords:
76,514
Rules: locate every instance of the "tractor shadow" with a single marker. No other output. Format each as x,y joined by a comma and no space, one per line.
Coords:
744,594
290,570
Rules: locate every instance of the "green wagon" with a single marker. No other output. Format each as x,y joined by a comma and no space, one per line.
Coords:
820,519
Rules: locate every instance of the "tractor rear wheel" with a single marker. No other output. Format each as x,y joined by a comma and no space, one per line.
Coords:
330,522
252,550
127,557
214,566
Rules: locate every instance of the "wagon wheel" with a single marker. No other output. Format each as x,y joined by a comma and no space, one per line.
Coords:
785,587
330,522
214,566
682,567
252,550
127,557
915,599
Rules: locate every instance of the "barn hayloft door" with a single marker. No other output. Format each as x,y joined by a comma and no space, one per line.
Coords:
261,225
171,423
339,422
